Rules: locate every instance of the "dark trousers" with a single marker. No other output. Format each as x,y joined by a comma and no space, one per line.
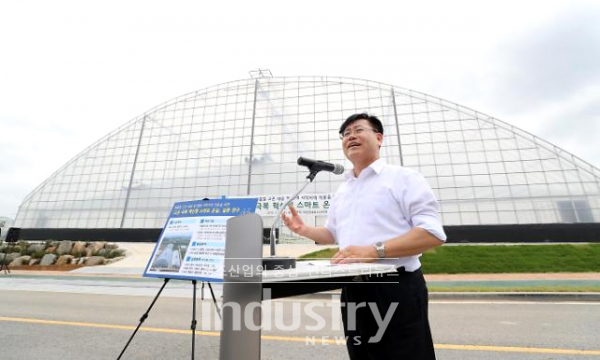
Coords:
407,336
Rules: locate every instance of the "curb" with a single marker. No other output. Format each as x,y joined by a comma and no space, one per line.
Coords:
524,296
492,296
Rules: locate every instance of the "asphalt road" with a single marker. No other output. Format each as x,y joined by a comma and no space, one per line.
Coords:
52,325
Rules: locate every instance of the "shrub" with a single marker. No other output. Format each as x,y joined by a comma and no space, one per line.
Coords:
79,254
115,253
37,254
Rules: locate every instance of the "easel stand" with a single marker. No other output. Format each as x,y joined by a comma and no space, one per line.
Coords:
193,323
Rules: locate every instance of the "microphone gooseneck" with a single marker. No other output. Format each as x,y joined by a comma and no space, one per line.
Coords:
314,166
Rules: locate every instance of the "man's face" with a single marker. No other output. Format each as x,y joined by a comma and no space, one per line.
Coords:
361,146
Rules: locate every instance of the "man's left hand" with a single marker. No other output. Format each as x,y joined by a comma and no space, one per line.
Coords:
354,254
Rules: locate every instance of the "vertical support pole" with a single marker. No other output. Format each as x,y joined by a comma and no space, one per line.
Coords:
242,289
397,127
137,151
252,138
193,325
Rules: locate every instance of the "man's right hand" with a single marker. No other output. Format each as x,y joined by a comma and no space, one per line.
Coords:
319,234
293,222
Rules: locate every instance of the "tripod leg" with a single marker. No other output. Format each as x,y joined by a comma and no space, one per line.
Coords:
3,265
3,260
7,269
144,317
212,293
202,292
193,326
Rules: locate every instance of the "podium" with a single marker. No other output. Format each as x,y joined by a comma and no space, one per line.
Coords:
245,282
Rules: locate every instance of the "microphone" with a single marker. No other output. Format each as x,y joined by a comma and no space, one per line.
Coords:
317,165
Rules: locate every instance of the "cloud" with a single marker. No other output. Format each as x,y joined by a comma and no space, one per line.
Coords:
553,75
543,79
570,123
552,62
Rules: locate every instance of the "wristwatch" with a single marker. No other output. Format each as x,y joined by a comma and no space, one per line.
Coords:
380,247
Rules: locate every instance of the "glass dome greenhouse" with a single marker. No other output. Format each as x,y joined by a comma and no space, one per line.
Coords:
242,138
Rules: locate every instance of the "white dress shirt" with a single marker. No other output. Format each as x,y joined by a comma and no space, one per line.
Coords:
385,201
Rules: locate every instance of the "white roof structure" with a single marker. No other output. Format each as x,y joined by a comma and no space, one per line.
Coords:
243,138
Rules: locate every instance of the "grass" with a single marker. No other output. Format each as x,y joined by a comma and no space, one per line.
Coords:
535,289
503,258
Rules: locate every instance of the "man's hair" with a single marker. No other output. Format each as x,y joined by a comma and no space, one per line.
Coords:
374,121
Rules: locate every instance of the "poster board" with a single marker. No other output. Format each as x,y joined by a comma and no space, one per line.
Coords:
191,245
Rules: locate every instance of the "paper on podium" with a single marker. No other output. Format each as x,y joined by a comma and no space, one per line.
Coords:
323,269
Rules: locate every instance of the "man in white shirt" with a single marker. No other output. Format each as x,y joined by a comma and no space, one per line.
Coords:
387,214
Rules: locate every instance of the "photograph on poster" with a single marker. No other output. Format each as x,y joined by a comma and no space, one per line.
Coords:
171,251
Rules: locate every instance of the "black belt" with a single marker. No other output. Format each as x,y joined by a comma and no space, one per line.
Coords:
400,272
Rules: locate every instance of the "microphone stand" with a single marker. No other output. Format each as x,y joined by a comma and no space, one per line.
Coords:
278,263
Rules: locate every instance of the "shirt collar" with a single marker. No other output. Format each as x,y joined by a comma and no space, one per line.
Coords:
376,166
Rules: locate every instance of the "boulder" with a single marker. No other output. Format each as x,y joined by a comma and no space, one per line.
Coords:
6,258
36,248
34,262
111,246
97,245
95,260
64,260
20,261
48,259
51,249
14,262
78,248
82,260
64,247
94,247
116,253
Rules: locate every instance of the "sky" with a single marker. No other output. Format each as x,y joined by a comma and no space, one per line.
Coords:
73,71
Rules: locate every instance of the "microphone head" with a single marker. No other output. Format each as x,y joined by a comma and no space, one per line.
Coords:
316,166
338,169
301,161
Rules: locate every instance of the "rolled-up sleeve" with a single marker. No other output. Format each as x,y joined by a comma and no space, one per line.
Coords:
421,207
